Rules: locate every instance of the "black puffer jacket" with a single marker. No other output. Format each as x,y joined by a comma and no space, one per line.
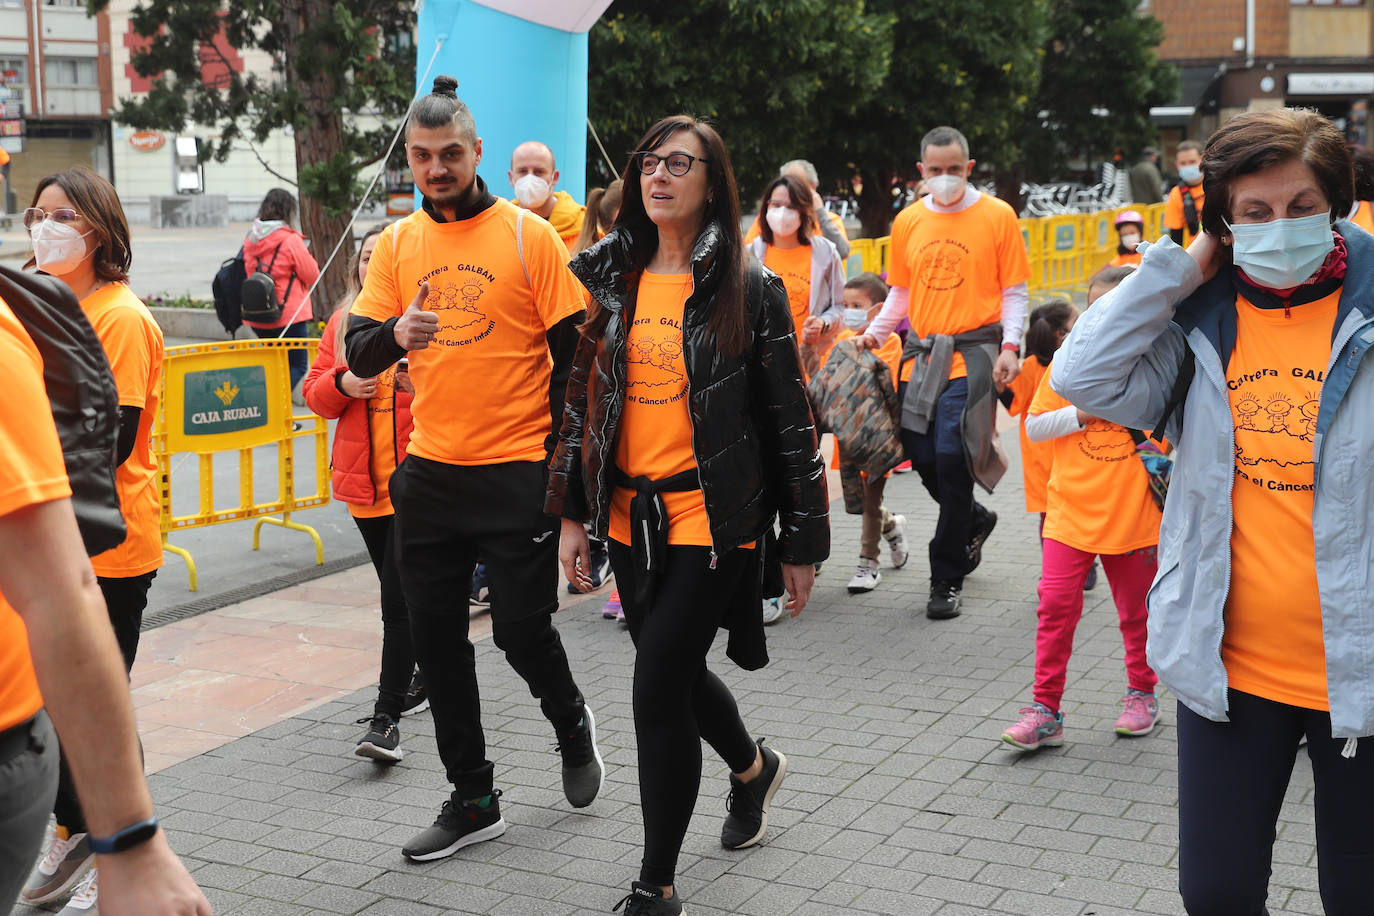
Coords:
752,430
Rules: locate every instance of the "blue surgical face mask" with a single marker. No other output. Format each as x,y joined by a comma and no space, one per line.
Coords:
1282,253
1191,174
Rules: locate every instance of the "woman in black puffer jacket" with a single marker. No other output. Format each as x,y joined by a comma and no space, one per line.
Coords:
686,433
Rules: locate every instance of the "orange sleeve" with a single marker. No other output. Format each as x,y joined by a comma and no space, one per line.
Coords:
1013,263
379,299
557,293
898,267
753,232
123,334
1173,209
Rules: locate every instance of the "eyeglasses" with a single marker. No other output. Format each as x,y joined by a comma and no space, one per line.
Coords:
35,215
678,164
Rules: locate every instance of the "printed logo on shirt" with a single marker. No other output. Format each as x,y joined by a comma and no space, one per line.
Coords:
654,362
1104,441
940,264
384,400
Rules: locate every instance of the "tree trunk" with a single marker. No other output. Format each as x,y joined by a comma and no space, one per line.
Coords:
1008,182
321,143
875,202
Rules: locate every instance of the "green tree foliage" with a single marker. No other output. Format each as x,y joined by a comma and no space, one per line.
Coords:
773,75
332,59
1100,78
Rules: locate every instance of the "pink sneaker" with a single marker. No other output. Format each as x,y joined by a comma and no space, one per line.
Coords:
1139,713
1038,728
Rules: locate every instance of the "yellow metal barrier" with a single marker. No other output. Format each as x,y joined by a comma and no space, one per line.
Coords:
236,396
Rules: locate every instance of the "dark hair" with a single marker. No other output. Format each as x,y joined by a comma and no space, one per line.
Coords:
870,284
1046,321
800,198
1362,158
97,201
278,203
602,206
944,136
1186,145
441,108
729,320
1257,140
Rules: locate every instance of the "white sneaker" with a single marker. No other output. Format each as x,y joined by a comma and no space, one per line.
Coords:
64,864
772,611
866,577
83,902
896,541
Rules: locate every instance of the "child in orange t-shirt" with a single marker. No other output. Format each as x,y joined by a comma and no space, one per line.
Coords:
1091,457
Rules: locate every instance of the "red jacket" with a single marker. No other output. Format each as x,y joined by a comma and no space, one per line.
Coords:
351,460
294,267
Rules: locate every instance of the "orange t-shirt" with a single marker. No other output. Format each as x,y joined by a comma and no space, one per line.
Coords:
1036,457
1173,208
1086,466
655,439
1131,259
794,266
956,266
33,472
482,385
1274,649
1364,216
133,346
381,427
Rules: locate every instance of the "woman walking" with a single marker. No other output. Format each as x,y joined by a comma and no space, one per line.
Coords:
686,431
274,247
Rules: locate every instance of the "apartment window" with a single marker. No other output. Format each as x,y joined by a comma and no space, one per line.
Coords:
73,72
14,71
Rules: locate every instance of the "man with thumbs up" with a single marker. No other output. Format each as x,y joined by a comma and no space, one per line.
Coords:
477,294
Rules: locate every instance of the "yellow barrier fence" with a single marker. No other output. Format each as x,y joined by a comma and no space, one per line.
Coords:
234,397
1064,251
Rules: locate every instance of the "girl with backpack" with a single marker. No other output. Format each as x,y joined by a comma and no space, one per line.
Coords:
1091,457
278,250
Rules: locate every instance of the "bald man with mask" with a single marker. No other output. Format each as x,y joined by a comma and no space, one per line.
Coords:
533,175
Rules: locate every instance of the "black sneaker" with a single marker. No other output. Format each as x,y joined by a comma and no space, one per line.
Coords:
1090,582
746,808
583,771
647,900
944,600
481,589
459,824
382,741
978,536
417,698
600,559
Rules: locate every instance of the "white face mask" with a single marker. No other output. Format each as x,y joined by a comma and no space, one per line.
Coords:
856,319
1130,239
57,247
783,220
947,189
531,190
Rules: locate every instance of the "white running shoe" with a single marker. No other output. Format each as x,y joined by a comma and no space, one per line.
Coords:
866,577
83,902
896,541
772,611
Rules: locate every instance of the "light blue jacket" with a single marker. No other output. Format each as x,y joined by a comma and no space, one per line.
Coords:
1120,363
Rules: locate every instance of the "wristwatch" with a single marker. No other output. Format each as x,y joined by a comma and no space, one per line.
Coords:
1012,347
124,839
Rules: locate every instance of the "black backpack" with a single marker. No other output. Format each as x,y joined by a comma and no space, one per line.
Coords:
228,290
85,402
259,293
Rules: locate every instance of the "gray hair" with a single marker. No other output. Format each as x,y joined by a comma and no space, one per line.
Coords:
944,136
809,170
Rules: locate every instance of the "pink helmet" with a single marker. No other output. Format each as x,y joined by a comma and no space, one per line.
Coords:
1129,216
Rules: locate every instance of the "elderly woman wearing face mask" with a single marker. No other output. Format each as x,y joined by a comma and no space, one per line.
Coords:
1249,351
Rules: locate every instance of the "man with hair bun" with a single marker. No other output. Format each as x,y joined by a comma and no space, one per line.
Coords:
477,294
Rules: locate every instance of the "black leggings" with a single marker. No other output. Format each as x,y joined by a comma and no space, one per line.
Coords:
1232,777
125,600
677,701
398,654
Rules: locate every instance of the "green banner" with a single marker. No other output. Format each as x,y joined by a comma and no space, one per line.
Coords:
225,400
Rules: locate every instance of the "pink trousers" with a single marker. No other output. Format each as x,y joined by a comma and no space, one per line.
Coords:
1061,605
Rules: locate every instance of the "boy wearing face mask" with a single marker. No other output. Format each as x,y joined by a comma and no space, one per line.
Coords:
1183,206
1130,229
533,175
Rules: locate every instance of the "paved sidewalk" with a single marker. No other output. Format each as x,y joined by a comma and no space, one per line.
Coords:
900,798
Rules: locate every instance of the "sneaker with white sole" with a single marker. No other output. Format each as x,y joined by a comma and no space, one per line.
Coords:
459,824
1139,714
382,741
648,900
866,577
584,773
746,818
896,541
772,611
417,698
64,864
83,902
1037,728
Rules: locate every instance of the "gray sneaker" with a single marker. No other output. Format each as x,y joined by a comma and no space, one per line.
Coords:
459,824
583,771
64,864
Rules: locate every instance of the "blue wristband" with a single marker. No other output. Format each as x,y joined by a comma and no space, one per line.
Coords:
124,839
